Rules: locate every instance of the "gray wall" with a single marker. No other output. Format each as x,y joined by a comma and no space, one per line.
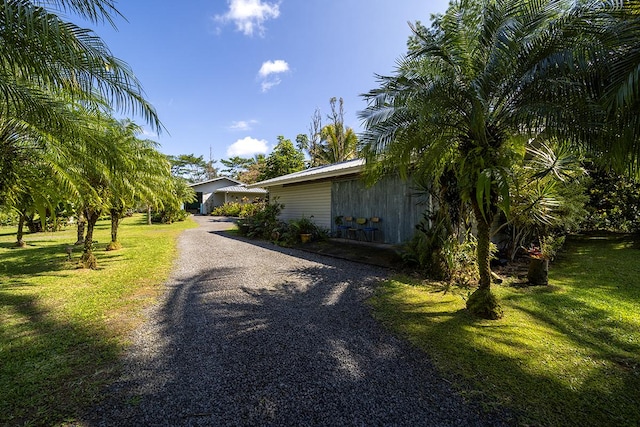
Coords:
391,199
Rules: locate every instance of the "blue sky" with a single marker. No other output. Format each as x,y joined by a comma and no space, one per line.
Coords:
231,75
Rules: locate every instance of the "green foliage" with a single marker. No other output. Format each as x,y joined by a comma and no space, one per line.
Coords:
332,143
547,198
169,215
237,209
64,329
304,225
263,222
565,354
614,202
283,160
192,168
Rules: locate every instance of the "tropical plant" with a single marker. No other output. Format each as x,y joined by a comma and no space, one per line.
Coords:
262,223
613,202
44,56
470,94
283,160
332,143
192,168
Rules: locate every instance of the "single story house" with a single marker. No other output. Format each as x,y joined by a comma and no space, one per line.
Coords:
241,193
206,196
328,192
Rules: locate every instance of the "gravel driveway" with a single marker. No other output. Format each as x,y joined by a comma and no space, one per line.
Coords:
251,334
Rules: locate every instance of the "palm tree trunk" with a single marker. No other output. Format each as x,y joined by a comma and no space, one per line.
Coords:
88,258
482,302
115,223
20,235
82,223
484,251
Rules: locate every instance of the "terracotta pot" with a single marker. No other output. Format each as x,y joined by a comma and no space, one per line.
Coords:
305,238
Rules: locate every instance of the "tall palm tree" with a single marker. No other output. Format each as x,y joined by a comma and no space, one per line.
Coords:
471,92
43,56
337,145
142,173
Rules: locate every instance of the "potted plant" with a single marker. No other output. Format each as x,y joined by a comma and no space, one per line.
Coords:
539,257
303,227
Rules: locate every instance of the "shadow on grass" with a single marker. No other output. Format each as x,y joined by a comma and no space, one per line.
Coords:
49,369
575,361
264,343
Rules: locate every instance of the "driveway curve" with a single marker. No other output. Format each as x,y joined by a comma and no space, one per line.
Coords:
248,333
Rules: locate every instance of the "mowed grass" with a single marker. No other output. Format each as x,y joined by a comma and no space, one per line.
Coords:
563,355
63,328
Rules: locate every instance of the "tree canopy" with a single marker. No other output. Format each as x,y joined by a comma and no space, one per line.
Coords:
488,79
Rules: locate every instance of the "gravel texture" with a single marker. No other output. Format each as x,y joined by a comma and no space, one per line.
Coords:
248,333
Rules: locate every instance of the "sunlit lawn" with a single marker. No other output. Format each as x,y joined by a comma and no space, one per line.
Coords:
566,354
62,328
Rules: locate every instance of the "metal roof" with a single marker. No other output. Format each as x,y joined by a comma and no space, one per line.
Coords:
312,174
241,189
214,180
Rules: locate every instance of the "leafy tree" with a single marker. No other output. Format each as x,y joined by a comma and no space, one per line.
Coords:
236,165
337,142
52,73
332,143
252,172
469,95
283,160
613,202
192,168
143,175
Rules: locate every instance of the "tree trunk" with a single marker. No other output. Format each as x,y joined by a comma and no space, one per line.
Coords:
484,247
88,258
482,302
20,235
149,215
114,245
82,223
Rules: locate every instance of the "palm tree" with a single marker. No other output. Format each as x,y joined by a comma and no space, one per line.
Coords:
43,57
142,173
337,145
466,99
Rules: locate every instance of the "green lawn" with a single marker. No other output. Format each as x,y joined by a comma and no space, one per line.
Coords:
566,354
62,328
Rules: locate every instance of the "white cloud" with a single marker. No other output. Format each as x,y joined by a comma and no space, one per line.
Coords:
268,84
250,15
243,125
247,147
273,67
269,71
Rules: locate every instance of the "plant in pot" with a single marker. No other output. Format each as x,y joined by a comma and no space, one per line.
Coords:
539,257
303,227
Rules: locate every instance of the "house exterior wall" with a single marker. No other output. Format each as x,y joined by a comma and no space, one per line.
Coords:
210,199
391,199
305,199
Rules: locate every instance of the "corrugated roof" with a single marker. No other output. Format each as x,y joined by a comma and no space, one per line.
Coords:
319,172
241,189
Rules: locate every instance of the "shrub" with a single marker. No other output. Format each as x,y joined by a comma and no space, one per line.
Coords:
262,221
237,209
614,203
169,216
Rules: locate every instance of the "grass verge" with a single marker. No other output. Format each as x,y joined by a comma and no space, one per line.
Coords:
564,354
62,328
